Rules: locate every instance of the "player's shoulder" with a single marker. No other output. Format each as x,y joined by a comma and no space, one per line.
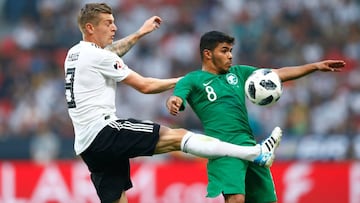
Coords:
240,69
196,75
243,71
92,50
198,78
193,73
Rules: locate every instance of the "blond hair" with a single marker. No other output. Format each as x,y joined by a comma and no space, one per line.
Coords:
90,14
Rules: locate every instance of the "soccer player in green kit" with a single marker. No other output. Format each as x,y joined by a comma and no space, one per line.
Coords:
216,94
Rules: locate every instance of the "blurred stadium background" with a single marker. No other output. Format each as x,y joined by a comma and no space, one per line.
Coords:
320,114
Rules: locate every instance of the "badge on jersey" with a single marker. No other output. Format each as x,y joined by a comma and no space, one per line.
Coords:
232,79
117,65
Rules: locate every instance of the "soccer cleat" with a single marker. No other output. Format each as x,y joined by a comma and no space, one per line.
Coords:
267,147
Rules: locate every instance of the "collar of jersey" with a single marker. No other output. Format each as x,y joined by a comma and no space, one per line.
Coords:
90,43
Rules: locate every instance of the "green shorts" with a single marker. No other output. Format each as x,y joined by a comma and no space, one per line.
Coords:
228,175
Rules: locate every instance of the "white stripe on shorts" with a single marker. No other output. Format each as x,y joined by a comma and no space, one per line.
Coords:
131,126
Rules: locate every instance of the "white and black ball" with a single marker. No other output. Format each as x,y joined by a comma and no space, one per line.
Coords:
263,87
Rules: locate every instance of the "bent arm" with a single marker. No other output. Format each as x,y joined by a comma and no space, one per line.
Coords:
149,85
294,72
122,46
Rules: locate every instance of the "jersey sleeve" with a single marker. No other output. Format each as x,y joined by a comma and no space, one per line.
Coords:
182,90
113,66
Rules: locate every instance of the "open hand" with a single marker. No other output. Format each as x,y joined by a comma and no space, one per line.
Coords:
331,65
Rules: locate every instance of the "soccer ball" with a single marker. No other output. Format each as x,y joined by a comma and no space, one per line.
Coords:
263,87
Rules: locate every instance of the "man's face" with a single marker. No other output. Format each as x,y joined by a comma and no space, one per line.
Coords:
222,57
104,31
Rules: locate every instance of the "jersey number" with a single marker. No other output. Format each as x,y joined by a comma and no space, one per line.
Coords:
211,95
69,87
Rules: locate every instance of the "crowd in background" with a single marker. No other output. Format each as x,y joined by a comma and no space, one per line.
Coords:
35,36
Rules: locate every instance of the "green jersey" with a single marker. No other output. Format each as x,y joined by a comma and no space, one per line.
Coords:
219,102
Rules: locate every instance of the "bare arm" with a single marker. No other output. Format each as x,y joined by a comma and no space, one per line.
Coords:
148,85
294,72
122,46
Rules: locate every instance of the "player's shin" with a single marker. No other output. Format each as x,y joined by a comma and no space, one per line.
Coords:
209,147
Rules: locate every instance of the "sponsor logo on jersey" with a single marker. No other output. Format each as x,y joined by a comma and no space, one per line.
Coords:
207,83
232,79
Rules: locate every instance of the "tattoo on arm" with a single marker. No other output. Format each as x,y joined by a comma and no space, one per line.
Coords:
122,46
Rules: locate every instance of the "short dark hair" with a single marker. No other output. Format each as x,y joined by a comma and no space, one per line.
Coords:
90,13
211,39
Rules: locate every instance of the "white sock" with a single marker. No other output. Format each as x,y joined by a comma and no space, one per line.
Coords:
209,147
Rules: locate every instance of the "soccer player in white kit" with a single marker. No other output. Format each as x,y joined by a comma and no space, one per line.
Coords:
93,67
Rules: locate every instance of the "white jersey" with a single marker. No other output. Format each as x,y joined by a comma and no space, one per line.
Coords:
91,74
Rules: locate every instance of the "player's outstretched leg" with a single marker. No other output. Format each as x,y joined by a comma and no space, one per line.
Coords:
268,146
